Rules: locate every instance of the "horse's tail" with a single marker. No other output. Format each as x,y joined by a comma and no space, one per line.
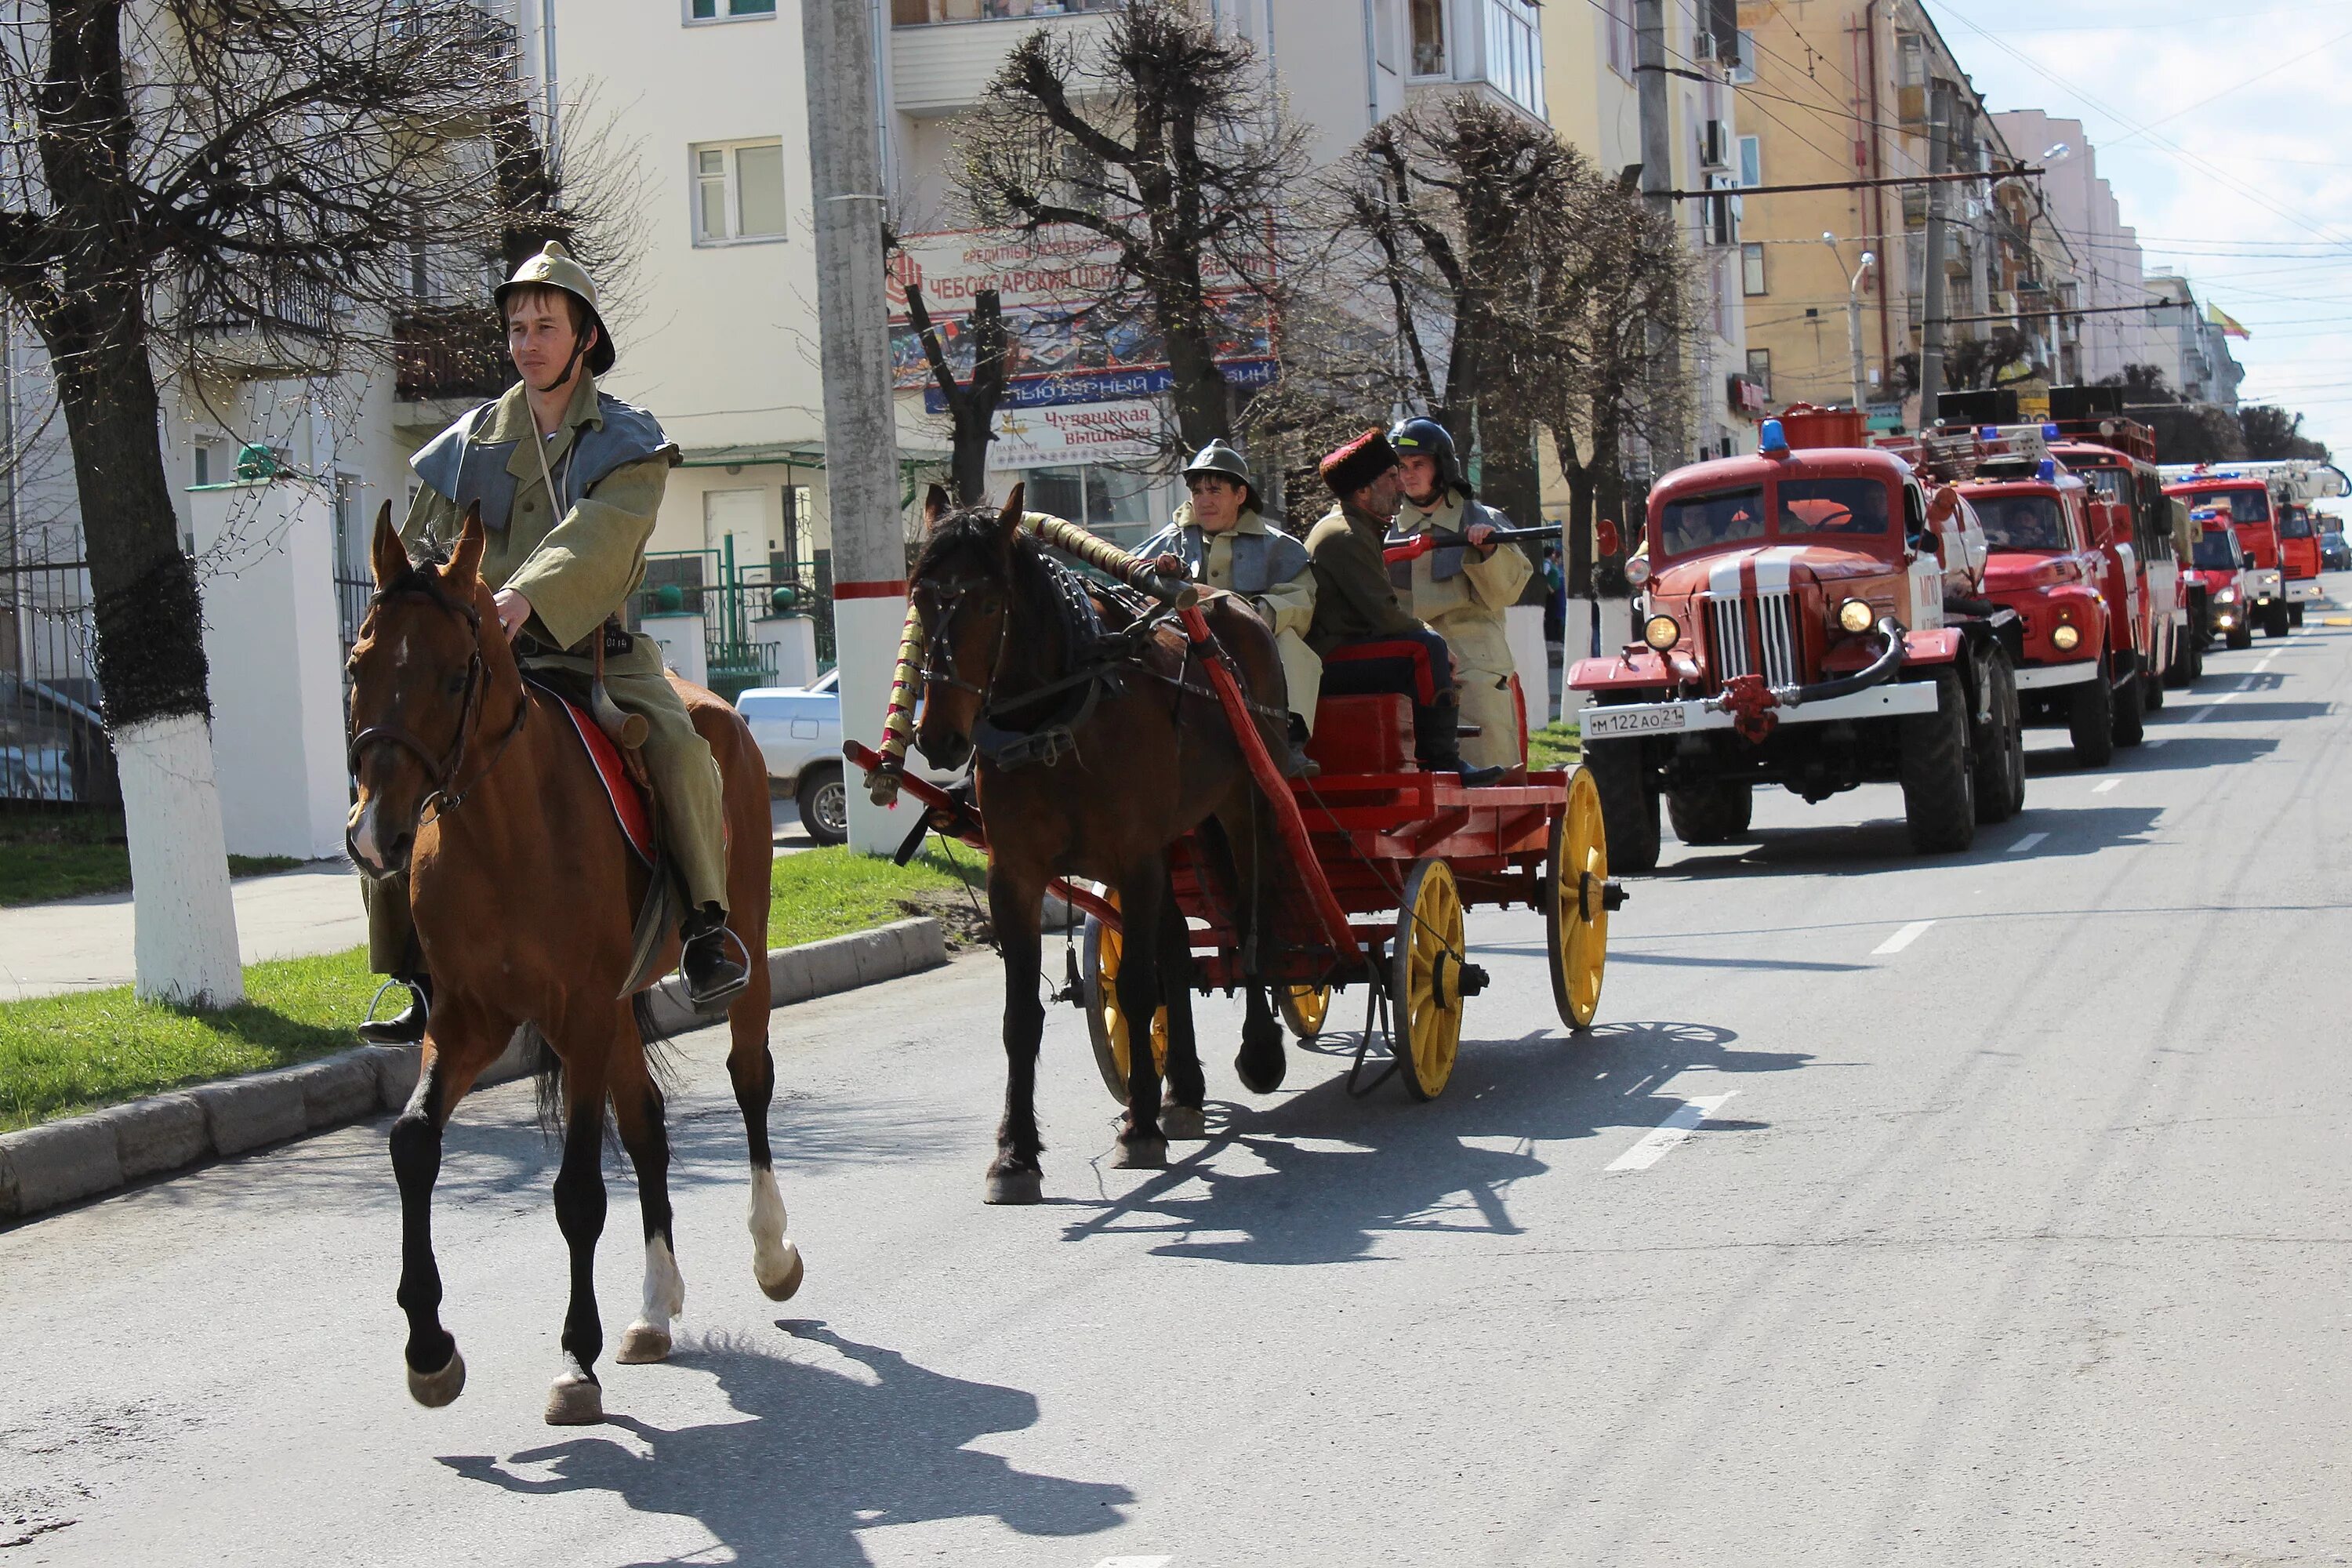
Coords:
547,1068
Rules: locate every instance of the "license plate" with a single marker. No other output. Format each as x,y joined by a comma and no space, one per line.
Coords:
1644,720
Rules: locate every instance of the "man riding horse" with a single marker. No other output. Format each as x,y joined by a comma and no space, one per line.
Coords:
568,480
1220,539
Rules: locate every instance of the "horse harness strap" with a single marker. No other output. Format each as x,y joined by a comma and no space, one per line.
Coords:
1100,655
446,795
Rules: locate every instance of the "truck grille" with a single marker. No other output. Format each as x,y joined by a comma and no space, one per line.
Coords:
1728,621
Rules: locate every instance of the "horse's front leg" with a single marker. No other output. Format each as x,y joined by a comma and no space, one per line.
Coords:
1015,908
577,1398
1142,895
459,1042
1180,1115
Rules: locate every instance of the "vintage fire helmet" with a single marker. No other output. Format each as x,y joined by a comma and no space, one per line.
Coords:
1217,457
554,268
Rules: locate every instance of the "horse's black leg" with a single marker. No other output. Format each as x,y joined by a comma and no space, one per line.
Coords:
1261,1061
1141,898
1180,1115
637,1107
1016,910
775,1261
437,1373
577,1399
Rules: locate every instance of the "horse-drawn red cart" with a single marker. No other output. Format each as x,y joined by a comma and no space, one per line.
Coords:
1388,859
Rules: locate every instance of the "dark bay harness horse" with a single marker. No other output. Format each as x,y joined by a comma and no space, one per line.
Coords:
1093,762
523,890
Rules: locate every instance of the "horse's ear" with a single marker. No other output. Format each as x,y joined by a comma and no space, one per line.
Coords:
465,561
936,507
1008,522
391,557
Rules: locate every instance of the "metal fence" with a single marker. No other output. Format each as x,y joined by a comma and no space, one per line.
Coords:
731,598
53,744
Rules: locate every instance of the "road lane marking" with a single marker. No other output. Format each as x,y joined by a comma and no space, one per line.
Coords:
1135,1563
2153,742
2104,786
1902,939
2026,843
1667,1133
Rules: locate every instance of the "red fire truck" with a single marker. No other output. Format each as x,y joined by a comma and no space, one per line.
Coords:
2216,564
1803,623
2265,501
2053,561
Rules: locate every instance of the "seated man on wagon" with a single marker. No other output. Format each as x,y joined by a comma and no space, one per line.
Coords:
1220,539
1461,588
569,479
1368,641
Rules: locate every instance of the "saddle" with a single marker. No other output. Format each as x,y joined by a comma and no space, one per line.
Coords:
625,787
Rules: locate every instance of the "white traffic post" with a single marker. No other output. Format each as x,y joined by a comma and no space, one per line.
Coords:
861,447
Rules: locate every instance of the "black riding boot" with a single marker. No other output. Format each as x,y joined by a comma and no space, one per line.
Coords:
713,978
1299,764
1440,748
405,1028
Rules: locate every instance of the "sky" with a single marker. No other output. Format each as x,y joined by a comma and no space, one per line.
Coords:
2213,124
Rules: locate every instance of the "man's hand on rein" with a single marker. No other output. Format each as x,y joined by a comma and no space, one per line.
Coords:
513,610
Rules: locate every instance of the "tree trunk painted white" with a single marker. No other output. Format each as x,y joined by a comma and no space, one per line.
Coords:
185,949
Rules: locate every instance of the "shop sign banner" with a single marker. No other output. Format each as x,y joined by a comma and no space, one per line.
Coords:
1104,385
1083,433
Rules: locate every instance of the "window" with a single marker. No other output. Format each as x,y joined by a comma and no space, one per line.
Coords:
798,520
1759,369
738,192
736,10
208,469
1428,38
1617,20
1751,269
1751,161
1743,69
1119,505
1515,53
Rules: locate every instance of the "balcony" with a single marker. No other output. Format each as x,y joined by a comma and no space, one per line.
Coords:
445,360
943,52
272,333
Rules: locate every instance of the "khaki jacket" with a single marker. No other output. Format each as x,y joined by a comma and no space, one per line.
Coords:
1353,598
1483,588
1284,607
576,569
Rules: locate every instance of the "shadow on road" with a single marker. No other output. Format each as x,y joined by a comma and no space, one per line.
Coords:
821,1453
1403,1167
1855,847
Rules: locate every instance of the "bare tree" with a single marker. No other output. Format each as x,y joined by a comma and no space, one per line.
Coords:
1165,140
188,165
971,405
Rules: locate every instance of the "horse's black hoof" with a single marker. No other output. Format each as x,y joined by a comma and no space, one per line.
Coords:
1261,1072
1142,1154
1016,1187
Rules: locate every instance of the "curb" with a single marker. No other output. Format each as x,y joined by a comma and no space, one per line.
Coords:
79,1157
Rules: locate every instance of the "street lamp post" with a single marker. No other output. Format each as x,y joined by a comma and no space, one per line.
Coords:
1853,311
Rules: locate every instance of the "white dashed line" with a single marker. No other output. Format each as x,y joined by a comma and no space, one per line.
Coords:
2026,843
2104,786
1902,939
2153,742
1667,1134
1135,1563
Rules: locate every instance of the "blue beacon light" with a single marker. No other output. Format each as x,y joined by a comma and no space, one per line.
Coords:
2048,470
1771,439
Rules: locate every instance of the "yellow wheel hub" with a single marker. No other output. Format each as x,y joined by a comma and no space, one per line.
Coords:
1426,985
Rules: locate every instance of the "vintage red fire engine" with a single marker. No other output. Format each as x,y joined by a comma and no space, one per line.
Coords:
2216,562
1809,619
2243,493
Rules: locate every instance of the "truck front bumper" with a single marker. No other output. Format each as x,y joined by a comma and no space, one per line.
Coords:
1691,714
2302,590
2041,676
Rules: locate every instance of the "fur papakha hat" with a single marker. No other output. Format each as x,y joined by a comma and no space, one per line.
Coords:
1357,463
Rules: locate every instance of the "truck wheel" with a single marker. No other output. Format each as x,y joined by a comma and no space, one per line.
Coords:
824,804
2240,636
1629,805
2131,713
2274,623
2182,670
2151,691
1713,813
2000,748
2091,721
2295,614
1939,785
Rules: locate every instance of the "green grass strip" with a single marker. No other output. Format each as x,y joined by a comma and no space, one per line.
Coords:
1555,746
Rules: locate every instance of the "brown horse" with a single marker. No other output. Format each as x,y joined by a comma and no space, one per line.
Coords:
1146,761
524,889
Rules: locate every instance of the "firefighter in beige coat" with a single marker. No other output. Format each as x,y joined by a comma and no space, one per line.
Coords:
1219,539
1461,589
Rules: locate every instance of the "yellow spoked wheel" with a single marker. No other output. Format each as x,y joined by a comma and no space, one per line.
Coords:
1303,1008
1425,979
1106,1025
1577,899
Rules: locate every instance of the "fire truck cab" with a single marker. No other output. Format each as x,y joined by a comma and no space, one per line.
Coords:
2217,562
2270,506
1807,619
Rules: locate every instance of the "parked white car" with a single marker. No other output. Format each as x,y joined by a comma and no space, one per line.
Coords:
799,731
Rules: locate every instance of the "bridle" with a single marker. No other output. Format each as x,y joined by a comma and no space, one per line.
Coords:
443,770
938,648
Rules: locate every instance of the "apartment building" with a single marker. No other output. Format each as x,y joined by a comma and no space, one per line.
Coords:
1594,103
2189,348
2081,204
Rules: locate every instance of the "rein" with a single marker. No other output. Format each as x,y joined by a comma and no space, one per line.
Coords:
443,770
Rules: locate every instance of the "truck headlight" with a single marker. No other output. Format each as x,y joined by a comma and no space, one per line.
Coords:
1661,632
1854,617
2065,639
1637,569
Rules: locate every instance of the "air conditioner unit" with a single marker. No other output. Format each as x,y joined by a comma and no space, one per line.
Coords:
1715,145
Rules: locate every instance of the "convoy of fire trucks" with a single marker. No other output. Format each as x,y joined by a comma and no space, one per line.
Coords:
1839,610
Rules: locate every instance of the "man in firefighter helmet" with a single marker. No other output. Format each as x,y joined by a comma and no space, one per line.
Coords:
1462,587
1220,538
569,479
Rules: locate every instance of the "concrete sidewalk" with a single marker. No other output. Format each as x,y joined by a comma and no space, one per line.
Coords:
84,944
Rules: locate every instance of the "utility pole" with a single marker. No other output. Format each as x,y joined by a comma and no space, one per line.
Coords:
1657,176
1933,305
1854,326
861,445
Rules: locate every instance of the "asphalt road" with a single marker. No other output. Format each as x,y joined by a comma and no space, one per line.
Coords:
2016,1232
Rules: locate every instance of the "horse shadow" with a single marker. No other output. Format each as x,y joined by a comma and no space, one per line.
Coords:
1324,1176
890,1449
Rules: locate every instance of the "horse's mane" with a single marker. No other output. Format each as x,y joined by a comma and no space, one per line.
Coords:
979,530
